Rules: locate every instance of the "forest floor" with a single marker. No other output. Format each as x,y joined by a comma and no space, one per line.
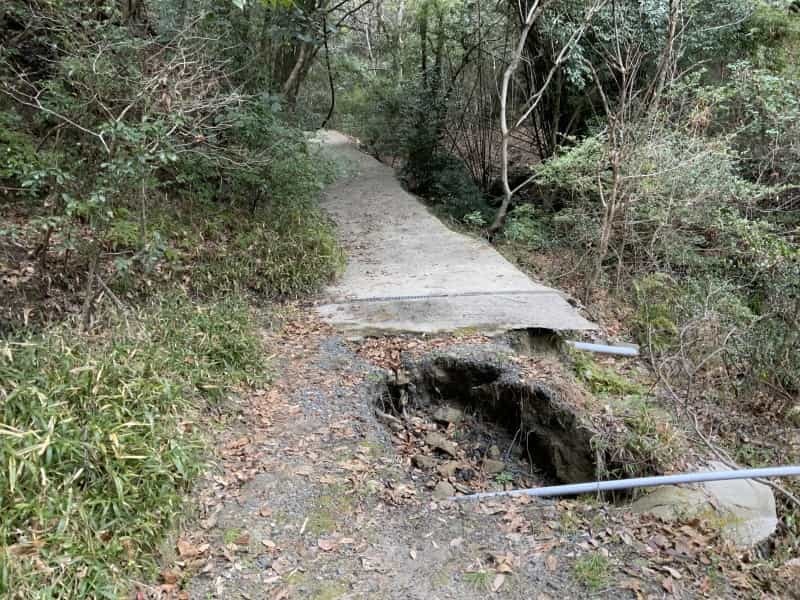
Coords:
314,497
317,492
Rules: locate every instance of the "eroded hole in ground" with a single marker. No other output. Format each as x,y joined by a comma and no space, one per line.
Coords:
470,420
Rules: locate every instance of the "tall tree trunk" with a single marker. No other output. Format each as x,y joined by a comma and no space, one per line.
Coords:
292,83
330,72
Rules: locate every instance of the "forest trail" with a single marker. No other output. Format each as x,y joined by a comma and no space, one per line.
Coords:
326,488
408,273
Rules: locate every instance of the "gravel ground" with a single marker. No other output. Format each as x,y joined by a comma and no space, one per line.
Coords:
318,503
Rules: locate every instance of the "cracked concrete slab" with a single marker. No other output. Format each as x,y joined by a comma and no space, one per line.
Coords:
408,273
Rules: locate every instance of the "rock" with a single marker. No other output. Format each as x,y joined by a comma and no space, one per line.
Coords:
493,467
465,474
424,462
743,509
264,561
448,414
439,442
448,469
793,414
443,490
493,452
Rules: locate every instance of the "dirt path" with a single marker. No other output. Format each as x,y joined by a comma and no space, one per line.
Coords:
407,272
315,500
314,497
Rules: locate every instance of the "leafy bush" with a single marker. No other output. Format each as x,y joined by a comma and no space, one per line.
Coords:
445,181
94,449
725,293
380,113
762,109
111,167
528,226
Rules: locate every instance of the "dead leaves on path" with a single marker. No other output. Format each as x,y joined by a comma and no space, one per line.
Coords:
188,550
387,352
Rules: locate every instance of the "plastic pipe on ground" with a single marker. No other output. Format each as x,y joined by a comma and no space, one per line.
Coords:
639,482
604,349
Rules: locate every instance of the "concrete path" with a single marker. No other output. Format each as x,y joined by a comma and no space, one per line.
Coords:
407,272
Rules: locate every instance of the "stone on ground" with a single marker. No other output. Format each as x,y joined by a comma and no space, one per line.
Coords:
744,509
493,467
448,414
421,461
439,442
443,491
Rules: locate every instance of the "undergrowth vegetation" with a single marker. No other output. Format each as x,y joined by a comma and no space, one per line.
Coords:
150,194
99,440
130,155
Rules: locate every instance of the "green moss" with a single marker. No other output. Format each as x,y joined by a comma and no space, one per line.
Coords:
329,591
330,510
602,380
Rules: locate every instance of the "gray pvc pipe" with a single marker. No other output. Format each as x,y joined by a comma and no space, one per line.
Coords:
639,482
604,349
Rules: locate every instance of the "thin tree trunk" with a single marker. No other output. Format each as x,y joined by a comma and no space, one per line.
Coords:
667,60
533,101
330,72
505,130
291,83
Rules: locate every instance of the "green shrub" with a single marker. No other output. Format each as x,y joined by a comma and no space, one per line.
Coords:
447,182
762,108
530,227
725,293
285,251
17,150
94,457
380,113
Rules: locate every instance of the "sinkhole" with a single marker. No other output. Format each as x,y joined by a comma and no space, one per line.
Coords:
471,418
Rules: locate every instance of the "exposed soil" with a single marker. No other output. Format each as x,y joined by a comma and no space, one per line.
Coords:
314,496
542,422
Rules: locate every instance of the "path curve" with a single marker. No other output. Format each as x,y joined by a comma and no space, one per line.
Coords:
407,272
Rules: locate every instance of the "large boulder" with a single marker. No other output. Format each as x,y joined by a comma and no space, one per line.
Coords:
743,509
